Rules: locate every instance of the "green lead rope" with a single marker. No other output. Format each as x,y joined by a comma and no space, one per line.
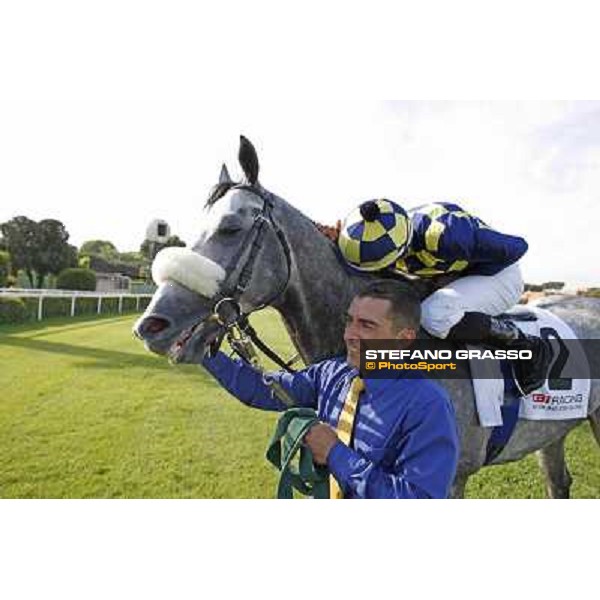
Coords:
301,475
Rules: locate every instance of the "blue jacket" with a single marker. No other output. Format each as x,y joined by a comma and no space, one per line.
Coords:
405,442
448,240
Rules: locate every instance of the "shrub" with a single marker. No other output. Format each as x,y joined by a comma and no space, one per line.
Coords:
590,293
13,310
76,279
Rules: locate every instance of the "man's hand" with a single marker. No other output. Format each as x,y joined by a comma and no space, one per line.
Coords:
320,439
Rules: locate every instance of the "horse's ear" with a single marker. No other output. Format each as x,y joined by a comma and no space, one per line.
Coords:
224,176
248,160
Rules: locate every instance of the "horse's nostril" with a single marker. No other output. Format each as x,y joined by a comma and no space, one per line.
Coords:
154,325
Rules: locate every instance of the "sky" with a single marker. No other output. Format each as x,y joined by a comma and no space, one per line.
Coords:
109,123
118,112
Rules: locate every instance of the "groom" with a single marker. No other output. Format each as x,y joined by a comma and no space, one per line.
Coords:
380,438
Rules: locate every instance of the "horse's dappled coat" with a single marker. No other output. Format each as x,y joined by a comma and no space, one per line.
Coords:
319,291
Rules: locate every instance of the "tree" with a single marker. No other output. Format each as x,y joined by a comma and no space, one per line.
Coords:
134,258
150,252
4,267
53,253
38,248
533,287
20,235
592,292
103,256
553,285
103,248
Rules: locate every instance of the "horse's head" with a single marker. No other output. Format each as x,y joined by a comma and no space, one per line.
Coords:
240,263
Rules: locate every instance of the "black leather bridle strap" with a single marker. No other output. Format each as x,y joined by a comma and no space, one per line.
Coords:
230,292
234,290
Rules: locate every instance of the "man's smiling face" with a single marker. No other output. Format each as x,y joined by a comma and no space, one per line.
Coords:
370,319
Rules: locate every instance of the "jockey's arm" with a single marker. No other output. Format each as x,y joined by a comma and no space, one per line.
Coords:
250,386
487,251
496,251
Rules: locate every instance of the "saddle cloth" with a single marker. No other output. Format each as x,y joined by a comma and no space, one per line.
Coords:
557,399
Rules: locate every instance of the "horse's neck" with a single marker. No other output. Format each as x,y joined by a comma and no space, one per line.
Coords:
315,303
320,289
315,321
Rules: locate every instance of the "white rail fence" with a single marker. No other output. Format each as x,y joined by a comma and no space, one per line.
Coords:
73,295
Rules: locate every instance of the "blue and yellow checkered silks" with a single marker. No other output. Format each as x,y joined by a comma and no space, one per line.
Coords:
443,240
434,239
375,235
448,240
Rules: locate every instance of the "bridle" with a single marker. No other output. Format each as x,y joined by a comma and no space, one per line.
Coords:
226,310
233,288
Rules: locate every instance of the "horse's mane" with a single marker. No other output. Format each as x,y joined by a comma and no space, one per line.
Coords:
331,233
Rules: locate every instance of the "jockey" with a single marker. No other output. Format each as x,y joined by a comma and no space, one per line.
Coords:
441,239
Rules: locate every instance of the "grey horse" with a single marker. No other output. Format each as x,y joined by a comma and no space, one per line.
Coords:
295,269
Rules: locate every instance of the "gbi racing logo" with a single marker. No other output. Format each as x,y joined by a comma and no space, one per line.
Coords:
541,398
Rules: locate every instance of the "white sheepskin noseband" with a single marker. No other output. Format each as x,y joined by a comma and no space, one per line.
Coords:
195,272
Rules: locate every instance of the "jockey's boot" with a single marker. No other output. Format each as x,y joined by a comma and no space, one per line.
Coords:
531,374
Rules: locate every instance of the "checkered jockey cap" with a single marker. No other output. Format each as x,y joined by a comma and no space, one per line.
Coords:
375,235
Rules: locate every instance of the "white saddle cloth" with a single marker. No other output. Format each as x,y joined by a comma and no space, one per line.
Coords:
545,403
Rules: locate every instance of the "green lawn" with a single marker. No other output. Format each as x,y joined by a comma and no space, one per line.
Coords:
87,412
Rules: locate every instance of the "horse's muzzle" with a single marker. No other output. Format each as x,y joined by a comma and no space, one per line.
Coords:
150,326
181,344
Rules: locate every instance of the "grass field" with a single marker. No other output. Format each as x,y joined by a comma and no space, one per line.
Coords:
87,412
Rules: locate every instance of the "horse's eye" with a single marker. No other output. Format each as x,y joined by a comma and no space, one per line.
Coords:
229,230
229,225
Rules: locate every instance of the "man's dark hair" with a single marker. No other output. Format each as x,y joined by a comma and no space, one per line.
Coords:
405,309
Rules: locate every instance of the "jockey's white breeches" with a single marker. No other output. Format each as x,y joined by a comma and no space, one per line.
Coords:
492,295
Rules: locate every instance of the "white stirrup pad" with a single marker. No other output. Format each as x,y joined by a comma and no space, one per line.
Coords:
195,272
